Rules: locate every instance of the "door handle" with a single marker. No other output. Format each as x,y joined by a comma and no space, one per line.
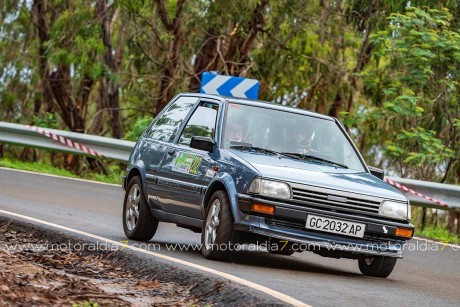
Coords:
171,151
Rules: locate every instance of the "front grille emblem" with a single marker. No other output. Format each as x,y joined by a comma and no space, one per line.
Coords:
337,198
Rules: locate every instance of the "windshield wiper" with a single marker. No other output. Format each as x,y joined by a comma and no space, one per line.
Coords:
311,157
257,149
287,154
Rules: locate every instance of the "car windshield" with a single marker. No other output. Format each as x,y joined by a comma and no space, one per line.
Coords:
293,135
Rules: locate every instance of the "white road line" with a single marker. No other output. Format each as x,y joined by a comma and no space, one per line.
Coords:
61,177
280,296
437,242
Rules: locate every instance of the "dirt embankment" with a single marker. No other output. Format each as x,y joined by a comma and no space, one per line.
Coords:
32,274
37,268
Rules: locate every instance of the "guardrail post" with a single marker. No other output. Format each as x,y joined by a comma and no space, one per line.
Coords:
423,219
454,222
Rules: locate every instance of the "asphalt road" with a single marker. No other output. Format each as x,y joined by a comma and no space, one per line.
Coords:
428,275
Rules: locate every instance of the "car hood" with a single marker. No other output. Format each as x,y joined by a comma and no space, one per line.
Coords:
320,175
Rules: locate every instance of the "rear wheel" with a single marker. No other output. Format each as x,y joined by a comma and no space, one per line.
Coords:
138,222
378,266
218,236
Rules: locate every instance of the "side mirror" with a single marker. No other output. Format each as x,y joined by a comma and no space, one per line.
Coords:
377,172
202,143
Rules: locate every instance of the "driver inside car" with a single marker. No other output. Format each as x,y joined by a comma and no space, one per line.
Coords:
236,131
302,138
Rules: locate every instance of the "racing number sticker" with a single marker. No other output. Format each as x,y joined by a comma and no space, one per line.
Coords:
187,163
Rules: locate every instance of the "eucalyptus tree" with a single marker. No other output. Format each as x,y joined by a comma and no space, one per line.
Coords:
414,93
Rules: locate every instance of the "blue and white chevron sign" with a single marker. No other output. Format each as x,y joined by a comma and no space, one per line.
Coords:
229,86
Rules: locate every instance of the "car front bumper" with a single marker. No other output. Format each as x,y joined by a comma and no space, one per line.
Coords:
289,220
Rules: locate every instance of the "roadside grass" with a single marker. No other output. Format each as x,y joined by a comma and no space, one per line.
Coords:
38,167
438,233
114,175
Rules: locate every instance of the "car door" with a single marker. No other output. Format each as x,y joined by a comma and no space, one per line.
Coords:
156,140
185,172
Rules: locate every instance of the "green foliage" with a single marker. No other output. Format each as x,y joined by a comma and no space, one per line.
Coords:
114,172
437,233
418,147
45,120
139,126
415,106
75,39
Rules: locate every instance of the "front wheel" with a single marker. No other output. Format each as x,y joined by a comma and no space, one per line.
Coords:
138,222
377,266
218,236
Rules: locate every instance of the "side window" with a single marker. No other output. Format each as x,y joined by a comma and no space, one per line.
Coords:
166,126
201,123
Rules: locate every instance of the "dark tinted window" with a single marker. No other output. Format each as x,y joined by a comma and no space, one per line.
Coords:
202,123
166,127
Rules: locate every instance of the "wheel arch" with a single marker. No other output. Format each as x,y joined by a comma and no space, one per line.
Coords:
223,182
138,169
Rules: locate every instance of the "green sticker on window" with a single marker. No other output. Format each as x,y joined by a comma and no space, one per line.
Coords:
187,163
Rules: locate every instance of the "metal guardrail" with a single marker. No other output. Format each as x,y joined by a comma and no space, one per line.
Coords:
121,149
447,193
26,136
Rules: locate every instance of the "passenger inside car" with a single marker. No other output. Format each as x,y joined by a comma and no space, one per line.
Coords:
302,136
237,131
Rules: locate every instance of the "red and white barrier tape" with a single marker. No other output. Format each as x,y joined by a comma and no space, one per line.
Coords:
406,189
67,142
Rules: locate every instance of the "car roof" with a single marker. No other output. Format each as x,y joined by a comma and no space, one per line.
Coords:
260,103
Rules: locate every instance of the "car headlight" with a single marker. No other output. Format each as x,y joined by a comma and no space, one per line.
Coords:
270,188
392,209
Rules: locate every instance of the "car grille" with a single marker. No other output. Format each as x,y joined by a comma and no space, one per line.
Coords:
332,200
285,223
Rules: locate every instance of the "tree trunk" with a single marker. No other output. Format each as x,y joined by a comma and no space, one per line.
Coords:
101,104
363,58
205,61
39,18
336,106
174,27
60,85
112,87
237,54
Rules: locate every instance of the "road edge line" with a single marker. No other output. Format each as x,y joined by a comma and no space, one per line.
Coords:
59,176
278,295
456,245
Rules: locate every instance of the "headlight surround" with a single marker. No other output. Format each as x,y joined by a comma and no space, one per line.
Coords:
395,210
270,188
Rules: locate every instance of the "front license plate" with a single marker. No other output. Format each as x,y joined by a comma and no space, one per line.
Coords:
335,226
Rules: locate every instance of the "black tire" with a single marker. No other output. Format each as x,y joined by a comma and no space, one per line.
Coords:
145,225
378,266
222,247
280,247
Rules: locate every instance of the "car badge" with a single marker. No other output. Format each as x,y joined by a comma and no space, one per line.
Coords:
337,198
385,230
